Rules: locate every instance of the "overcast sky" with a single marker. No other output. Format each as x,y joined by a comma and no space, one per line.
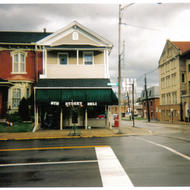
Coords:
148,27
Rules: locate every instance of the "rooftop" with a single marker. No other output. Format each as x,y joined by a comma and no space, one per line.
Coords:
21,37
183,45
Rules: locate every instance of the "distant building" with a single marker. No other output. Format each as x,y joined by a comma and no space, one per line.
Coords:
153,98
174,78
127,88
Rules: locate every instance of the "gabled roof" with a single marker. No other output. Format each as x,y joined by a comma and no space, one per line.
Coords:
184,46
21,37
75,26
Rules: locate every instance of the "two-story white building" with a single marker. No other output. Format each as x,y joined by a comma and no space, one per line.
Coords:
75,79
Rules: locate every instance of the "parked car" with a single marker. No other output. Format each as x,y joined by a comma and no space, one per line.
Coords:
101,116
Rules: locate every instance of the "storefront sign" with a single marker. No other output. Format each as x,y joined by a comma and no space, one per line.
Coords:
80,104
54,103
73,104
91,103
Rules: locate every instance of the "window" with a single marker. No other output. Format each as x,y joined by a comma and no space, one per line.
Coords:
27,93
163,99
150,93
189,67
63,60
174,98
16,96
88,58
182,77
18,62
75,36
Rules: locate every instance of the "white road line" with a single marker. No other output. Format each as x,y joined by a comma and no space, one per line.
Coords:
112,173
48,163
167,148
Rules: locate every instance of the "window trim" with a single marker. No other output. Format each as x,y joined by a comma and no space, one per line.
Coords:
58,58
16,88
19,53
88,52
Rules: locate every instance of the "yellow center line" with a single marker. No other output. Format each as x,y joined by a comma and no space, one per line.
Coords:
52,148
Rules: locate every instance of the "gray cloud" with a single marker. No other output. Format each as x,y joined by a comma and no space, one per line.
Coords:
145,36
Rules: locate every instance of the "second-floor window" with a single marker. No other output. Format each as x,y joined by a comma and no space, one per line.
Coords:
63,58
88,58
18,63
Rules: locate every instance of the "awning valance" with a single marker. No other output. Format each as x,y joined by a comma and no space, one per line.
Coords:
101,96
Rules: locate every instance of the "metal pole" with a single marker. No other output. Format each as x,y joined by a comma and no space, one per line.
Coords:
119,70
133,104
119,64
147,103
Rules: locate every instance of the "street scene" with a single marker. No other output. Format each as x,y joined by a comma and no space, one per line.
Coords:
95,95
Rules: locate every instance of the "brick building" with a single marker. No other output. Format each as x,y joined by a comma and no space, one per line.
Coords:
153,103
21,64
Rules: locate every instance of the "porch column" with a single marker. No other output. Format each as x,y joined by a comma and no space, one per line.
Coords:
61,119
77,57
106,116
110,118
35,113
86,119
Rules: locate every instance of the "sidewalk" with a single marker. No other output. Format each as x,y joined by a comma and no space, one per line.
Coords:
94,132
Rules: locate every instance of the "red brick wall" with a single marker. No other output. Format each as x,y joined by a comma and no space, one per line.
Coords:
33,66
154,109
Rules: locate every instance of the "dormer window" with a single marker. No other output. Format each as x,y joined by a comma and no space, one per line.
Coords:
88,58
18,62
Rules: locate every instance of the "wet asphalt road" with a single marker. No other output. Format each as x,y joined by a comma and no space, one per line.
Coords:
143,159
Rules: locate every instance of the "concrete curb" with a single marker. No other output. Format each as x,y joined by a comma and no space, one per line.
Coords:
94,134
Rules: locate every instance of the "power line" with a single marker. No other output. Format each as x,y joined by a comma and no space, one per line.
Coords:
142,27
141,76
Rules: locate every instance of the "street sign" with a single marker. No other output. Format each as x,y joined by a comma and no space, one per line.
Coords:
112,84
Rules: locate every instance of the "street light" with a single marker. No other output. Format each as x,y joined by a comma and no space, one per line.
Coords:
119,61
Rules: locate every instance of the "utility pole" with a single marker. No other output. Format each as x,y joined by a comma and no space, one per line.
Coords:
128,101
119,62
119,70
147,103
133,100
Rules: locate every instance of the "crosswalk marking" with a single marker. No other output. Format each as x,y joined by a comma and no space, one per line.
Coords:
112,173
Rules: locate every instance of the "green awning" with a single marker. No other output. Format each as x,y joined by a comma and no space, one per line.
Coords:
101,96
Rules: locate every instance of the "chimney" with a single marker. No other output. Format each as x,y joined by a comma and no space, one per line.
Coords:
44,29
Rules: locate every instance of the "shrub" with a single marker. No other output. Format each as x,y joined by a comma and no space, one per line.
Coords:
14,117
24,110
